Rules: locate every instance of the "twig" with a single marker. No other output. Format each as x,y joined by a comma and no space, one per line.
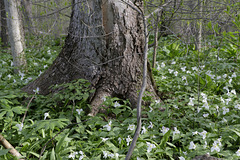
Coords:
157,10
144,82
25,114
7,145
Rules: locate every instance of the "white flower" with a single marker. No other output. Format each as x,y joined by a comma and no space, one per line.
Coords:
14,81
233,91
40,73
205,144
36,91
203,66
217,108
225,110
176,131
20,126
72,155
45,66
144,130
116,104
192,145
164,130
151,125
173,62
170,70
205,105
163,64
195,68
131,127
184,78
157,101
150,147
230,81
219,77
150,109
119,140
9,76
176,73
129,139
116,155
181,158
203,134
46,115
188,72
225,76
105,155
216,145
175,106
238,152
104,98
163,77
183,68
199,109
185,153
108,126
79,111
234,75
191,102
194,133
104,139
223,101
205,115
111,155
237,106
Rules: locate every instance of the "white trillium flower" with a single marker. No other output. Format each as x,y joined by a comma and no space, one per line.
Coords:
104,139
238,152
194,133
225,110
151,125
116,104
176,73
203,134
46,115
150,109
129,139
144,130
20,126
176,131
79,111
150,147
164,130
36,91
205,115
108,126
131,127
181,158
192,145
170,70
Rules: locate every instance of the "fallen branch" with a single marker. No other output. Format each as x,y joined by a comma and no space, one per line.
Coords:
7,145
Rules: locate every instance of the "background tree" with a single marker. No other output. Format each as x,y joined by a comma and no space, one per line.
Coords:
16,33
4,36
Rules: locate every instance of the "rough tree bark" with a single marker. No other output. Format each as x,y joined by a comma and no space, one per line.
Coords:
105,46
4,36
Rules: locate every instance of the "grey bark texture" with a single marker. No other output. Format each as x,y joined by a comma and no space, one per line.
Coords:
4,36
105,45
15,31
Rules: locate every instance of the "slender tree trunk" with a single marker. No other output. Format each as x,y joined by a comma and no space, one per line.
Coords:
199,34
155,41
15,32
4,36
27,12
105,46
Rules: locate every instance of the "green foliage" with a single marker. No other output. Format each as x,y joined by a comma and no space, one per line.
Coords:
199,113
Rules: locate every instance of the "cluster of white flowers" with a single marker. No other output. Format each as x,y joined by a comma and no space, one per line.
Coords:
73,155
191,101
203,133
216,145
109,155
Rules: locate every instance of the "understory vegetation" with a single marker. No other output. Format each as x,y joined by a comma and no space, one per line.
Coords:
199,110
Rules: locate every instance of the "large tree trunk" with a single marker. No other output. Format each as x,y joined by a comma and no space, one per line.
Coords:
15,31
105,46
4,36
